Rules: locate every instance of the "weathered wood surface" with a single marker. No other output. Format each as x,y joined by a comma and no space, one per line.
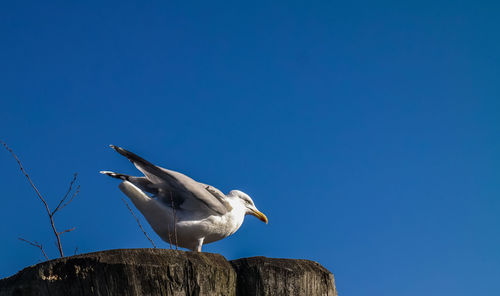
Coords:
168,272
271,276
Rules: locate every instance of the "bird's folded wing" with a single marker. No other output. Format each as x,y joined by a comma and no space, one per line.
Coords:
217,194
182,189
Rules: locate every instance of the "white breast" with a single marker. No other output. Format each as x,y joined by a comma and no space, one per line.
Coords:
213,228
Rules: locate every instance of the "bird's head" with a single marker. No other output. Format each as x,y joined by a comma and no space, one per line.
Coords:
248,204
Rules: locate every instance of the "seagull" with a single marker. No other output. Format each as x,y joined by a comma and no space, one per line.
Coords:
182,211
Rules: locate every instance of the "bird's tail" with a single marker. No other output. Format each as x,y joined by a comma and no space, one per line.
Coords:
116,175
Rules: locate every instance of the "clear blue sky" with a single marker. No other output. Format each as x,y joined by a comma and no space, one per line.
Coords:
368,132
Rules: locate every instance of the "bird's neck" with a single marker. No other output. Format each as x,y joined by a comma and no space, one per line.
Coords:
236,216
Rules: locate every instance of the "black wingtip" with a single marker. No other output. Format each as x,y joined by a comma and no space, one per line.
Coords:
131,156
120,150
115,175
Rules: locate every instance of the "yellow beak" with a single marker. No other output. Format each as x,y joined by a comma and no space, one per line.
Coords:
259,215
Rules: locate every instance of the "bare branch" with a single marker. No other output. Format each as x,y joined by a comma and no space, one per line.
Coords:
169,237
66,195
34,244
42,199
138,222
67,230
72,197
175,222
27,176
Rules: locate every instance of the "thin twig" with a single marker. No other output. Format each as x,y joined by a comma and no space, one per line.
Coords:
59,246
34,244
67,230
72,197
138,222
169,237
49,213
175,222
66,195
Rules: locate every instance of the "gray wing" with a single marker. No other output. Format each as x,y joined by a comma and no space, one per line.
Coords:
178,190
217,194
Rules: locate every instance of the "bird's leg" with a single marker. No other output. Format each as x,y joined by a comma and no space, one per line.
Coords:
200,243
